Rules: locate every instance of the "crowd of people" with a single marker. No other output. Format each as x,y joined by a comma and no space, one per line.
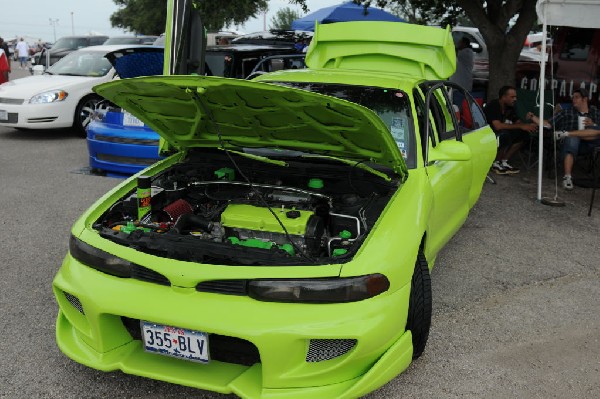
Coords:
22,52
577,128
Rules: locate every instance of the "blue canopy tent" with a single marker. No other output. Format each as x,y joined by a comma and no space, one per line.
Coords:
344,12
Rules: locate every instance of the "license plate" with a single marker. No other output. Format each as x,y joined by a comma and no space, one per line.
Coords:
177,342
3,115
130,120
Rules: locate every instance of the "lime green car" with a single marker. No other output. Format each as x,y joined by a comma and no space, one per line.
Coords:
283,250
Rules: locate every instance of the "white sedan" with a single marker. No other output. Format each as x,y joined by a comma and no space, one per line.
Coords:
60,98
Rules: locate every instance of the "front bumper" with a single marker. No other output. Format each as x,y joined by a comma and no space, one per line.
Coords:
39,116
119,149
91,331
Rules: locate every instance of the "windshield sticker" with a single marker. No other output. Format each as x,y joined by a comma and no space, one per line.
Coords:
397,130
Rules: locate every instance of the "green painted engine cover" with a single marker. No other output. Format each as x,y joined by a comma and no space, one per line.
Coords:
251,217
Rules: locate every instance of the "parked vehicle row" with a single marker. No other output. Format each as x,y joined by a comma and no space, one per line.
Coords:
61,97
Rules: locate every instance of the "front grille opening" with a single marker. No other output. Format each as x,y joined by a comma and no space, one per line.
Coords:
228,287
232,350
126,140
75,302
327,349
133,327
148,275
222,348
126,160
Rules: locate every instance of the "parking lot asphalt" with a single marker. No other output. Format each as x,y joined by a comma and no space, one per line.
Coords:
515,292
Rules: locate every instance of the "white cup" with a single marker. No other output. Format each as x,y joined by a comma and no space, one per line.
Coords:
580,122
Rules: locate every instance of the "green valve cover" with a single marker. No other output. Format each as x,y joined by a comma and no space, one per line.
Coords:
261,219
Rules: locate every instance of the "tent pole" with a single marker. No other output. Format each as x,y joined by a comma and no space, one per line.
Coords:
542,86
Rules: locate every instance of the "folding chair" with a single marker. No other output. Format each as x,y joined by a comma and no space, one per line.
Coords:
528,100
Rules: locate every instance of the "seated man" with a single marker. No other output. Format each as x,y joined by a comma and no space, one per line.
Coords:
511,133
576,141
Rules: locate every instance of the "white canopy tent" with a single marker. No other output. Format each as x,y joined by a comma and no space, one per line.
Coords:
576,13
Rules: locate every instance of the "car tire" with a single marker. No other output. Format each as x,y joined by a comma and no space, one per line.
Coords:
84,112
419,308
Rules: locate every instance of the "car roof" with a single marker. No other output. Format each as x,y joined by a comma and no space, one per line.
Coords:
112,47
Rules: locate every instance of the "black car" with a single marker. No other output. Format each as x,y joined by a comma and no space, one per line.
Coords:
140,39
239,60
63,46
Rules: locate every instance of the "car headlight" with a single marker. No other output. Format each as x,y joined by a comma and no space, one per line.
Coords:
326,290
98,259
49,97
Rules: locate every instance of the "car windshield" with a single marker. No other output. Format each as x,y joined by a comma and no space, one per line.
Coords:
72,43
391,105
81,63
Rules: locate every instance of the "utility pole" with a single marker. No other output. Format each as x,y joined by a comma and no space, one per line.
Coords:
54,22
72,25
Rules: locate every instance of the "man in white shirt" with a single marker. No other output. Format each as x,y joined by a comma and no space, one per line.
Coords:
22,49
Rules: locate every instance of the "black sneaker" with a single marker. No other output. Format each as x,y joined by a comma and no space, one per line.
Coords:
498,169
511,170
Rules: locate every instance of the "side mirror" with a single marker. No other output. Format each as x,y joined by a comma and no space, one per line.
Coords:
449,150
476,47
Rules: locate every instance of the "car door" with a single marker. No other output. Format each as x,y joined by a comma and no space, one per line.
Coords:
478,135
450,180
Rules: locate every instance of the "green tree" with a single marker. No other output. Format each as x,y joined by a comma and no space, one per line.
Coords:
148,16
504,25
283,19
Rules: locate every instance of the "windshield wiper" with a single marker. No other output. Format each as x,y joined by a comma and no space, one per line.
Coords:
72,74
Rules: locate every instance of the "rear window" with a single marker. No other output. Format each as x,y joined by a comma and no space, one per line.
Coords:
230,65
577,45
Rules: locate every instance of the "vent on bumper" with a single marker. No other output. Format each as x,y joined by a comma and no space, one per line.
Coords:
326,349
126,140
148,275
127,160
42,120
75,302
17,101
222,348
229,287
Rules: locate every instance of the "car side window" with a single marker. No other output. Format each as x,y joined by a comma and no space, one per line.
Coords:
442,110
468,109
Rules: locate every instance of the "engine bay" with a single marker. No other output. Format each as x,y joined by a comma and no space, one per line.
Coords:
232,210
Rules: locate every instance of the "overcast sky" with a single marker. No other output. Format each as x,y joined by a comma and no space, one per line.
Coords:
33,18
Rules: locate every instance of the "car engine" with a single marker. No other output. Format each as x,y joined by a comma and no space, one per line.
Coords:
200,212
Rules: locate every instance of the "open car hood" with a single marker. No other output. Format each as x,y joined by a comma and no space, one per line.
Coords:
137,61
205,111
